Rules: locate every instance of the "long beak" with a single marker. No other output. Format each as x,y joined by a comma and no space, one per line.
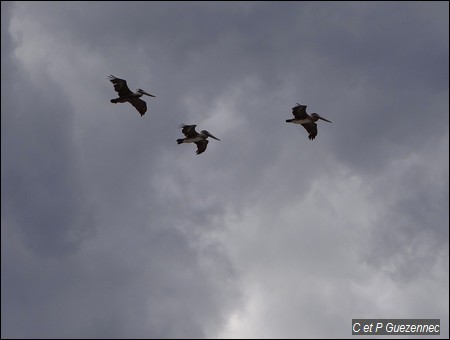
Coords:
210,135
148,94
324,119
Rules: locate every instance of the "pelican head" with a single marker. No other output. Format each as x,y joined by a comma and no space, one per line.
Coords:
207,134
316,117
141,91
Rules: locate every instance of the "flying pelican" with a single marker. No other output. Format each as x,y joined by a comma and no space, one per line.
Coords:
125,95
193,136
307,121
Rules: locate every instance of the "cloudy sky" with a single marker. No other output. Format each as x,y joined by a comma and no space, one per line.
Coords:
112,230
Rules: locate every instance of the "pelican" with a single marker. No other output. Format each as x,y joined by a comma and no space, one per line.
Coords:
193,136
125,95
307,121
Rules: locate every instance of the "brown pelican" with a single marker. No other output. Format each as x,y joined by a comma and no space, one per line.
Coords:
125,95
193,136
307,121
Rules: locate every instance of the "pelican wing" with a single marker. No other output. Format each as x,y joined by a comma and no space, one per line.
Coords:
201,146
299,111
312,129
139,104
120,86
189,130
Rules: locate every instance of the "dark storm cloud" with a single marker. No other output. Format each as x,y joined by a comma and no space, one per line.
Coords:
40,175
112,291
119,268
114,230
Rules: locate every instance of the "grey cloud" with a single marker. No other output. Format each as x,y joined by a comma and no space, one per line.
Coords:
114,230
45,196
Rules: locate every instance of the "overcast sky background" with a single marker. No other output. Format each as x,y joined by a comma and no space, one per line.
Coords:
112,230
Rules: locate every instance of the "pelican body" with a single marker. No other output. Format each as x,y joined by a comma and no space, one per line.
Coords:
192,136
307,121
126,95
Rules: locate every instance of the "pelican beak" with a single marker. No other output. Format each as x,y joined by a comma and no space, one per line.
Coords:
210,135
148,94
324,119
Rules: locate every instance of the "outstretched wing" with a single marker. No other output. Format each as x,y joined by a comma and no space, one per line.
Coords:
201,146
299,111
139,104
312,129
120,86
188,130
